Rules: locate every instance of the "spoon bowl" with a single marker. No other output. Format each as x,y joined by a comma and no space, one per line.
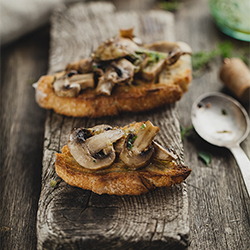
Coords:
222,121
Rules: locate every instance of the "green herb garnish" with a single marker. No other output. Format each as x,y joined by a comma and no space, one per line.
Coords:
131,141
143,126
169,5
202,58
153,56
53,183
94,161
185,131
205,156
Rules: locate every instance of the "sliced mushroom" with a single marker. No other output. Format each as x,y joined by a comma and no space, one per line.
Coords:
105,83
162,153
150,72
138,149
115,48
103,140
82,66
94,150
173,50
118,72
71,83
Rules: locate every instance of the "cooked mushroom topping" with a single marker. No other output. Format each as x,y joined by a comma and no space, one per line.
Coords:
121,71
124,70
103,140
94,150
115,48
138,148
163,154
71,83
173,50
82,66
150,72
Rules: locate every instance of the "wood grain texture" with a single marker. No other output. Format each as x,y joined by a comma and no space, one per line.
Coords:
21,136
218,202
71,218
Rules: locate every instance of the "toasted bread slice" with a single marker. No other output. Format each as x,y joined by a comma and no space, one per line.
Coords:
138,97
118,178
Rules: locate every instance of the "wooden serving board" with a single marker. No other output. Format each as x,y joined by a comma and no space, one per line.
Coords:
72,218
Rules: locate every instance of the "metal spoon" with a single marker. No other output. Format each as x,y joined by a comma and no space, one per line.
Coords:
222,121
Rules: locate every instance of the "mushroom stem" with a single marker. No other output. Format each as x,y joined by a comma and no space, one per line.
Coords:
138,149
145,137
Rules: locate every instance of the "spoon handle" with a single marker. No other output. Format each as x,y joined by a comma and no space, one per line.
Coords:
243,163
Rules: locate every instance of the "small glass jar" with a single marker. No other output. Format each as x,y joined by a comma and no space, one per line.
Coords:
232,17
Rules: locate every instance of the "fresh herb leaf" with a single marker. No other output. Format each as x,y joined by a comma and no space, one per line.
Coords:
169,5
225,49
53,183
185,131
143,126
205,156
201,59
131,141
153,56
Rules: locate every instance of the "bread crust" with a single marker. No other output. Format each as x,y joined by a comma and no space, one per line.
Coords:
124,98
119,179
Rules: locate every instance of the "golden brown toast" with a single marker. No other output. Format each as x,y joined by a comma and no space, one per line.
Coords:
120,76
119,178
124,98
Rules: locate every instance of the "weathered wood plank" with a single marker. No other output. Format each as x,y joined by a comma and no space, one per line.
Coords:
21,133
71,218
218,202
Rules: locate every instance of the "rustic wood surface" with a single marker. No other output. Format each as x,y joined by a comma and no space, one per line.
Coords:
77,219
219,209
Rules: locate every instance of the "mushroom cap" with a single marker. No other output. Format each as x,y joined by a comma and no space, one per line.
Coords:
114,48
138,149
172,50
71,83
94,150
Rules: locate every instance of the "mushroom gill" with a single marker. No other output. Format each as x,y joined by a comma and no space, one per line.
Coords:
94,150
118,72
71,83
115,48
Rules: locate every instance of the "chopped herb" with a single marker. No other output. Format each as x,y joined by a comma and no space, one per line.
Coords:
53,183
205,156
94,67
224,112
94,161
171,5
131,141
185,131
154,56
143,126
201,59
130,145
